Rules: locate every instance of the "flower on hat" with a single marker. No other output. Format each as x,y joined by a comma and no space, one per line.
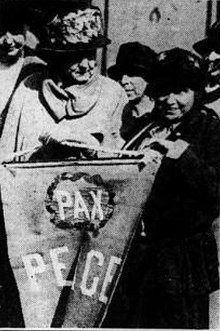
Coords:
162,56
194,61
75,27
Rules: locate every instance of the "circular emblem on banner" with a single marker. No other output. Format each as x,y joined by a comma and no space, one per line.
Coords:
79,201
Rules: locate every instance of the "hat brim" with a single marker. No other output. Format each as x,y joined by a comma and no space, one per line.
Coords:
204,46
48,51
180,80
100,42
116,72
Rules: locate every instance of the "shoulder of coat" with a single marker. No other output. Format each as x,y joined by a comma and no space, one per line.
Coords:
110,83
32,64
33,81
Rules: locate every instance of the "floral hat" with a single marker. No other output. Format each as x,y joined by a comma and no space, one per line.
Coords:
72,29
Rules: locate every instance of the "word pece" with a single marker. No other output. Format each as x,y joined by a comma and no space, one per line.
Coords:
34,265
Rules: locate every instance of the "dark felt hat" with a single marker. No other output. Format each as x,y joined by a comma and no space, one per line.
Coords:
176,69
211,42
13,14
74,26
135,59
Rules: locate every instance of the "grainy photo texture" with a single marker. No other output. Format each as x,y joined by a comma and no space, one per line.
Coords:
109,164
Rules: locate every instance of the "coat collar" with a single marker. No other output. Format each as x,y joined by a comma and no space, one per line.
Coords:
72,102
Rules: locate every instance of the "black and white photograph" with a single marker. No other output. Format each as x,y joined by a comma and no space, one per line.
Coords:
110,164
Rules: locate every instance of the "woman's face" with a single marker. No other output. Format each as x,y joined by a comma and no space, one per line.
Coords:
81,68
175,104
134,86
11,44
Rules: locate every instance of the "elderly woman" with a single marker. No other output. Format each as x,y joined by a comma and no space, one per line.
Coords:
132,70
173,268
70,104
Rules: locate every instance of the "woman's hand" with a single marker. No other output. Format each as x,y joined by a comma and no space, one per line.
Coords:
174,148
68,138
71,140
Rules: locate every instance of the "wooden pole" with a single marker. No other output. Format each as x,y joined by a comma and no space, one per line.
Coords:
209,16
218,10
104,51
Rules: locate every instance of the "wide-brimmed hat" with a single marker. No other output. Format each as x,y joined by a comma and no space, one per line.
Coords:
73,27
135,59
211,42
176,69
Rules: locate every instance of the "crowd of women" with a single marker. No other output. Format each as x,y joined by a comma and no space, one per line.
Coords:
54,104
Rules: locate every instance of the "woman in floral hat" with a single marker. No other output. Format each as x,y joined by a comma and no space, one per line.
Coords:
70,103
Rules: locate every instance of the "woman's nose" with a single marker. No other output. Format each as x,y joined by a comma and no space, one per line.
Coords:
9,38
170,99
84,63
125,79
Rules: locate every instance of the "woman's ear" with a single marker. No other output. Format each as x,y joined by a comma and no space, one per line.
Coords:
31,40
25,30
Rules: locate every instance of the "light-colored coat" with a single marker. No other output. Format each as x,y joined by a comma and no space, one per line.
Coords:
28,118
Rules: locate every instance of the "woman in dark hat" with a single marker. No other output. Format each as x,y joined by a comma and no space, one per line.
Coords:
71,103
132,70
173,267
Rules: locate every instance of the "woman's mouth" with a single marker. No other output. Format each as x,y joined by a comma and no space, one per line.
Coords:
129,91
172,109
11,48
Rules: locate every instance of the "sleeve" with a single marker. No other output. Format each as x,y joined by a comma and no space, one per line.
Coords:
128,124
199,167
11,126
116,120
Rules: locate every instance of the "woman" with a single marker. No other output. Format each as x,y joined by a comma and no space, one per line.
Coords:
15,65
132,70
173,268
71,103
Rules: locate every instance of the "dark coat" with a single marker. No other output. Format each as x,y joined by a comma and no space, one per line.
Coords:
183,204
184,199
178,256
131,125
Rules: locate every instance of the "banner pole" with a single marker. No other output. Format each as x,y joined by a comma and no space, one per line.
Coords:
104,51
